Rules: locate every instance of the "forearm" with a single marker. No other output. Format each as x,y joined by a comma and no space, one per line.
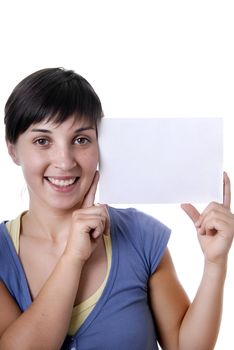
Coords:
200,326
44,324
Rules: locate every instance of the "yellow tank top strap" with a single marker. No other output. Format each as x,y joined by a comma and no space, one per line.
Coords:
13,227
82,311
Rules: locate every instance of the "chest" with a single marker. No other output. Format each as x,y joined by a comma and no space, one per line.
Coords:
39,259
122,318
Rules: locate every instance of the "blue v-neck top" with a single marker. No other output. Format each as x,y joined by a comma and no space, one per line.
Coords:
121,318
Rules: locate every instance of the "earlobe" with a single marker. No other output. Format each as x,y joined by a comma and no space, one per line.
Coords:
12,152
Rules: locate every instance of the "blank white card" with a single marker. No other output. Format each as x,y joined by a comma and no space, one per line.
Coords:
161,160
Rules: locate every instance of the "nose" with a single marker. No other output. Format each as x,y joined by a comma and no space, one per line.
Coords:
64,159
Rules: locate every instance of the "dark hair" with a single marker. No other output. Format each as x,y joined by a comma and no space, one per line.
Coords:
51,94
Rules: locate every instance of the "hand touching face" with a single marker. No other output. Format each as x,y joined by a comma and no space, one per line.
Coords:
88,225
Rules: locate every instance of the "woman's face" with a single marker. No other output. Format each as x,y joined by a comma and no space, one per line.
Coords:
58,162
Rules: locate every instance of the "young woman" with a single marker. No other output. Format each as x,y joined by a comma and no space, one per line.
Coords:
75,275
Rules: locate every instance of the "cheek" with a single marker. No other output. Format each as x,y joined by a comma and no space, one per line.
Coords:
90,161
32,166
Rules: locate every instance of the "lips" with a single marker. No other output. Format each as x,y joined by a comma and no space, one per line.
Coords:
62,181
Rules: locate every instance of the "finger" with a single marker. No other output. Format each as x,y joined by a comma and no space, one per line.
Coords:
89,224
226,191
211,219
90,196
101,209
212,226
191,211
97,231
94,213
214,209
216,214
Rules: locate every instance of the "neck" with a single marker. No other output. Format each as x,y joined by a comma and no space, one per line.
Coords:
50,225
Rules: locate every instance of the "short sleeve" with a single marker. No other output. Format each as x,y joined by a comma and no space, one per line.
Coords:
11,271
154,236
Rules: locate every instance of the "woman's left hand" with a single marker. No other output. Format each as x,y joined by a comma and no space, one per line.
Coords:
215,226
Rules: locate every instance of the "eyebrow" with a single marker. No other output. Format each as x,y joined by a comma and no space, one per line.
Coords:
75,132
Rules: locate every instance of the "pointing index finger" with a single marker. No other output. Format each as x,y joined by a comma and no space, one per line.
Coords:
90,196
226,191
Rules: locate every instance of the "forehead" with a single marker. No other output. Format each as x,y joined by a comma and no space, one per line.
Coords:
71,124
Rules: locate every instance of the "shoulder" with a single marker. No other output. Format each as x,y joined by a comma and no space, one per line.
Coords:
132,218
7,250
147,234
11,271
4,237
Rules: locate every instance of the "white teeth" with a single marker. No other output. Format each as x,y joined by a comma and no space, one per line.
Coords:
62,183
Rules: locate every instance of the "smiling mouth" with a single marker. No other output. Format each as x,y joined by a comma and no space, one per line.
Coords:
62,182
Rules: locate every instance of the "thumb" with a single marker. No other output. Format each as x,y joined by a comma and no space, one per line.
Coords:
191,211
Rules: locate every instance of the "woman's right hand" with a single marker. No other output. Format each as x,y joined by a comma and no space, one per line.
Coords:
87,226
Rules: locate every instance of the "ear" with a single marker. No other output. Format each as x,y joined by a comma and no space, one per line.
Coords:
12,152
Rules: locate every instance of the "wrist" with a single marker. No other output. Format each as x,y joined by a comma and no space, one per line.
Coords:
216,269
72,259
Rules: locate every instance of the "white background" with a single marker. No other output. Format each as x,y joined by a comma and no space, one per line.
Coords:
144,58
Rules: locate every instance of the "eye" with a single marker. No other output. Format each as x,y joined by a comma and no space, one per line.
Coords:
81,140
41,141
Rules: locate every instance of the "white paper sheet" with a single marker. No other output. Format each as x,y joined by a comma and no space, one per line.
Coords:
160,160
